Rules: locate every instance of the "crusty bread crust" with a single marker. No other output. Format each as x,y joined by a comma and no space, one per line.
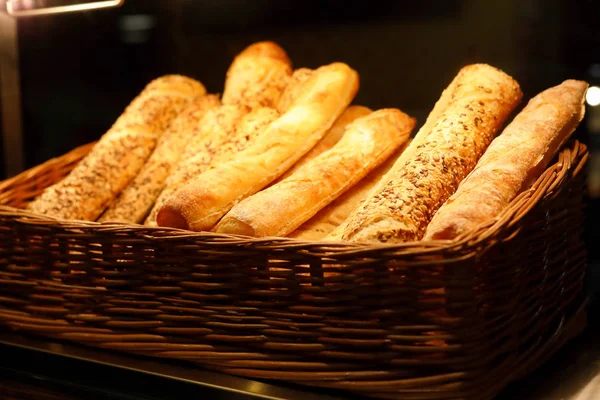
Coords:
292,89
333,135
326,221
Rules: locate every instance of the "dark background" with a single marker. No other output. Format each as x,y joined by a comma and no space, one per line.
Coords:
80,70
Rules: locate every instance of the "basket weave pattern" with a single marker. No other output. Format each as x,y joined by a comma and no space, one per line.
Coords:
424,320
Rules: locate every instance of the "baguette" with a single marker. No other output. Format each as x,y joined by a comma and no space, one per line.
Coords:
280,209
331,217
218,137
257,76
333,135
138,197
202,202
120,153
514,160
338,232
292,89
442,154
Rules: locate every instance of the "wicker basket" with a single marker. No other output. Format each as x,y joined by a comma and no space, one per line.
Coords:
424,320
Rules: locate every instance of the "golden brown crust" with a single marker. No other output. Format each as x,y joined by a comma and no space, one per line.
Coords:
248,130
216,137
203,201
292,89
513,161
257,76
138,197
326,221
120,153
481,99
280,209
333,135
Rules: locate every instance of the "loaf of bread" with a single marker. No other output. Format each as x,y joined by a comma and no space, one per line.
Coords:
280,209
292,89
204,200
334,214
337,233
257,76
513,161
120,153
138,197
443,153
333,135
223,133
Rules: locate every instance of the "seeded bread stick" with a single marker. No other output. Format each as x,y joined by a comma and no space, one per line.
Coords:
138,197
120,153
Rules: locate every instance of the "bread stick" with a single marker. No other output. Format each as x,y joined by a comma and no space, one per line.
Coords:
120,153
280,209
513,161
335,213
138,197
442,154
203,201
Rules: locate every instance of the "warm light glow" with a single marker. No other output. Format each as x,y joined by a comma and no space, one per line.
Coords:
30,11
593,96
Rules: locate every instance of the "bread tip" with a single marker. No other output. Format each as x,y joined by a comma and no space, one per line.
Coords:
167,217
234,226
576,82
267,49
446,233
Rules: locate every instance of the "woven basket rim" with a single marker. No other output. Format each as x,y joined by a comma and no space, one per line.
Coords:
484,236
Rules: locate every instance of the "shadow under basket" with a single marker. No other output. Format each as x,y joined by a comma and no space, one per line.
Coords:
421,320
